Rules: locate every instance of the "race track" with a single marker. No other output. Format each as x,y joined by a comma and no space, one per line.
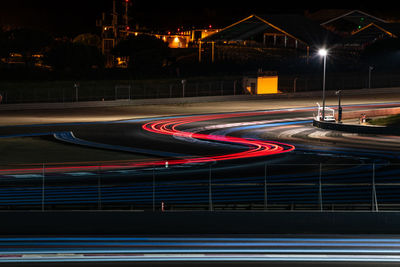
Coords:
202,251
271,159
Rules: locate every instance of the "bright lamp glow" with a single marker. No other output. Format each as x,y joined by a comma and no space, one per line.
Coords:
323,52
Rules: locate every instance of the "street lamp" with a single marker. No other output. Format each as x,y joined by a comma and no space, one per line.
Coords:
323,53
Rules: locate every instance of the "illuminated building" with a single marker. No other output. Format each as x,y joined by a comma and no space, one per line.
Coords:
357,28
261,33
261,83
281,34
370,33
344,22
115,28
175,40
278,34
198,34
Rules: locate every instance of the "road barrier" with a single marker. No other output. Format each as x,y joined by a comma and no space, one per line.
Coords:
264,187
69,223
354,128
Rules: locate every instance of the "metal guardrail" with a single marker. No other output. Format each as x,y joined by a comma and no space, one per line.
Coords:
314,187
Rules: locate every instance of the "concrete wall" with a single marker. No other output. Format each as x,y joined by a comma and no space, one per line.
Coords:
174,223
369,113
354,128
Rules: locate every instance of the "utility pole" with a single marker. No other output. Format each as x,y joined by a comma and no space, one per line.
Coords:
340,111
370,68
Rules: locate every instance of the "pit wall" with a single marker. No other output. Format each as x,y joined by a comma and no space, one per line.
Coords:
360,128
197,223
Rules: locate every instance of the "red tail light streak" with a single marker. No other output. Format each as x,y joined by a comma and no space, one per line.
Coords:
255,148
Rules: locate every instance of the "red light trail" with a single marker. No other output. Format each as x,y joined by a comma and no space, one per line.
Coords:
256,148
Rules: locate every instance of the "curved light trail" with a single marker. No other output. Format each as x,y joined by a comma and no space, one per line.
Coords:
210,131
255,147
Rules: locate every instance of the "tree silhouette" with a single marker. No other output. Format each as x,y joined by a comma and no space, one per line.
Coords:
146,53
74,57
27,42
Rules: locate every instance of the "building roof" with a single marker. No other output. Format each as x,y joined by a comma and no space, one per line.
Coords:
392,28
240,30
372,32
389,29
295,26
324,15
354,15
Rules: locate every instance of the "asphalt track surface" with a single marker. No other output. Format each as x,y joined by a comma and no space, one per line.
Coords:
232,153
237,146
200,251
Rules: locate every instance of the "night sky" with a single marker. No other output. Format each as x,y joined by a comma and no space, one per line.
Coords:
71,17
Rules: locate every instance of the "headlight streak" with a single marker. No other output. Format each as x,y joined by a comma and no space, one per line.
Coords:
189,249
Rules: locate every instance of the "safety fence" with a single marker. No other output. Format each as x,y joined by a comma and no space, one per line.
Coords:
69,91
255,186
106,90
338,81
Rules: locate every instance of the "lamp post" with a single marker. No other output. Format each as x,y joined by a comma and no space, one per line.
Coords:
323,53
370,68
339,93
